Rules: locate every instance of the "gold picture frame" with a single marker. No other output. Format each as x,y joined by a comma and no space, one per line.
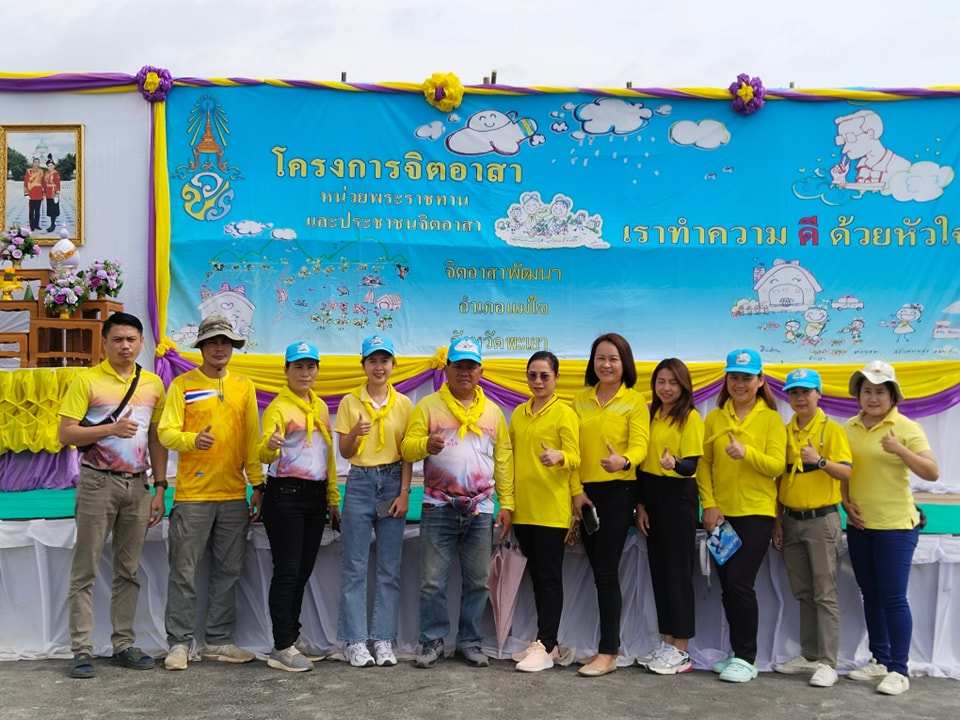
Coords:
23,150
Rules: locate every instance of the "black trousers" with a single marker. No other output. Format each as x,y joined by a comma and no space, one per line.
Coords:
737,578
294,513
35,206
615,501
543,547
673,506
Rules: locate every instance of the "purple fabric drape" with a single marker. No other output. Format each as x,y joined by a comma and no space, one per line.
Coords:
39,471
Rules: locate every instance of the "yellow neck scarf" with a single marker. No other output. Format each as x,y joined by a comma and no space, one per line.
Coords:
793,439
310,410
377,416
467,419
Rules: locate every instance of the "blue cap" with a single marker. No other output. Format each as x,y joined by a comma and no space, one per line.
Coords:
464,349
744,361
803,378
374,343
302,351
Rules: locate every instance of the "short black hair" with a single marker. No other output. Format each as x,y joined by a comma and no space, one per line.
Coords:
121,318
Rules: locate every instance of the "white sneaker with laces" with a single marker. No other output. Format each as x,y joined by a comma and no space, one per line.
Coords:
383,652
868,673
358,655
798,665
645,660
893,683
538,658
824,676
671,661
518,656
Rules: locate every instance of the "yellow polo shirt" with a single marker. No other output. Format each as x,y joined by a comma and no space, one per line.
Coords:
681,441
816,488
624,423
394,425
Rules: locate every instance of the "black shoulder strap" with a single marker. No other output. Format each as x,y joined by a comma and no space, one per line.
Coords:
126,398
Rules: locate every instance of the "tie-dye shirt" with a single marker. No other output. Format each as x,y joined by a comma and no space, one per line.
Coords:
95,393
229,406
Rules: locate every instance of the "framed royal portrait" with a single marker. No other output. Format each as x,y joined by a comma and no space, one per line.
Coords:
43,189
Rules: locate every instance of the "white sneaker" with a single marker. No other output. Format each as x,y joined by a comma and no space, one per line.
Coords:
518,656
290,660
796,666
229,653
893,683
671,662
358,655
383,651
645,660
537,658
177,658
868,673
824,676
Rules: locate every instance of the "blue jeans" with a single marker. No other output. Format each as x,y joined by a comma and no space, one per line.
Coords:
881,562
443,532
367,486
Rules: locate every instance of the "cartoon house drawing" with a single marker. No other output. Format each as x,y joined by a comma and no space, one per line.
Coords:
786,287
231,302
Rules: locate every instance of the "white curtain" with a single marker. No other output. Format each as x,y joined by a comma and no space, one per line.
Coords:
35,570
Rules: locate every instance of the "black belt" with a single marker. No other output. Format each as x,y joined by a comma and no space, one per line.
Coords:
115,473
297,485
810,514
802,467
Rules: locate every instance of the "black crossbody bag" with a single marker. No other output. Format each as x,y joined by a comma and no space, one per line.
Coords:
112,417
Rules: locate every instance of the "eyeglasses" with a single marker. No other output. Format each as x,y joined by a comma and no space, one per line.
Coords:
544,376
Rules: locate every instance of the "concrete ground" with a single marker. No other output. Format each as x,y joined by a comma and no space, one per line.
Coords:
42,689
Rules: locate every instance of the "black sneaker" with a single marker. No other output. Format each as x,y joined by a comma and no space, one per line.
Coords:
133,658
473,656
82,666
430,654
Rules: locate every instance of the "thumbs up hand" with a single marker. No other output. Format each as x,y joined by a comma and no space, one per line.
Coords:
809,455
435,443
667,461
204,439
276,439
126,426
550,457
362,426
891,443
735,449
614,462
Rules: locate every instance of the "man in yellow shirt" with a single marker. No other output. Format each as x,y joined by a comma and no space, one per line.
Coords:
112,492
211,420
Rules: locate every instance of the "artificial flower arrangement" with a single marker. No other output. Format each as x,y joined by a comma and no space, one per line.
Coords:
17,245
748,94
65,292
444,91
104,278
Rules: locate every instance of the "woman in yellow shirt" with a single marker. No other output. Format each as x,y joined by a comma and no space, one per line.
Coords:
883,525
545,435
743,454
669,516
614,429
370,423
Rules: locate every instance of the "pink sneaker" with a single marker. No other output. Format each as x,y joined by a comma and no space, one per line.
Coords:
537,658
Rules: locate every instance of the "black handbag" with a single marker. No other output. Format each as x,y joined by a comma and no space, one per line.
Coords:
112,417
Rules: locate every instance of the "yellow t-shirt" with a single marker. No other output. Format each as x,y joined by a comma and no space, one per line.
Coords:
747,486
623,423
229,406
393,425
682,442
95,393
880,483
543,494
816,488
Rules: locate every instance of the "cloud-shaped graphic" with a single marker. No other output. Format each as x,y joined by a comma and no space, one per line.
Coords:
245,228
706,134
284,234
433,131
558,127
924,181
664,110
952,309
612,115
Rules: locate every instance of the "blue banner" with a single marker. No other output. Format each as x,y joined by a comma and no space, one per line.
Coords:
815,232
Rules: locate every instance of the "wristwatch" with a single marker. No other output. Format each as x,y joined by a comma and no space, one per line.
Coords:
627,464
822,462
261,487
163,484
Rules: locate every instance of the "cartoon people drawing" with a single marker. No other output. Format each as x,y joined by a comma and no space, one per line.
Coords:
855,330
790,328
816,318
859,135
906,316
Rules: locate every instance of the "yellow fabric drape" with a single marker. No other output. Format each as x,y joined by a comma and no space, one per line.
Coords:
29,406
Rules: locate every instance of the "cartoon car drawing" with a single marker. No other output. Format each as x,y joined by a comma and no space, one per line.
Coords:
847,302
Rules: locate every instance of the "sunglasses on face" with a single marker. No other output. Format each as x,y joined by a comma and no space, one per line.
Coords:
543,376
